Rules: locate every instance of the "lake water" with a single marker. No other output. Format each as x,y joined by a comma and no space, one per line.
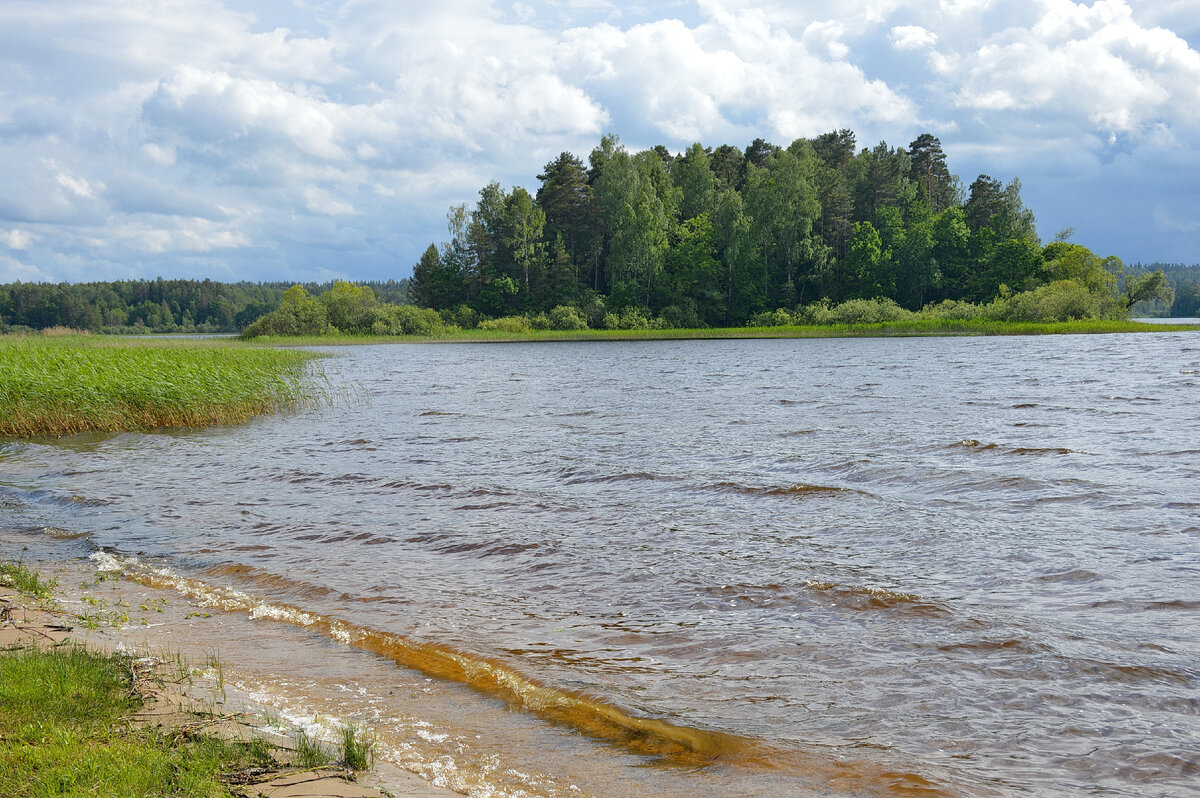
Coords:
909,566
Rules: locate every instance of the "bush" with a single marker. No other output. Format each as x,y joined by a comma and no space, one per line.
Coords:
867,311
297,314
1062,300
632,319
953,309
566,317
780,317
350,307
461,316
406,320
510,324
682,318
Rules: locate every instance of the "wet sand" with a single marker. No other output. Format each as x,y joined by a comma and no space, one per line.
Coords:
178,697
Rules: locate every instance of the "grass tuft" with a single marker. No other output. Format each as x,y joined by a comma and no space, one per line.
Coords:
16,575
358,749
310,752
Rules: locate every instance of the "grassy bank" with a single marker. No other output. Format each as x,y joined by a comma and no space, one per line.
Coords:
63,385
63,731
79,719
912,328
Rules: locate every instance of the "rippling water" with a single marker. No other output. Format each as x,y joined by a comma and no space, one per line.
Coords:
882,566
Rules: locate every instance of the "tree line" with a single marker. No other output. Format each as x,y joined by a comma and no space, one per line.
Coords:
708,237
717,237
1185,284
162,306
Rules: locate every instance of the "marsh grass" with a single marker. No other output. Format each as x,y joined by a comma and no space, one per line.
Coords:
69,384
910,328
62,733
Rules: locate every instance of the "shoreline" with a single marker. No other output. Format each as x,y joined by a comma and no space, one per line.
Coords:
202,697
928,328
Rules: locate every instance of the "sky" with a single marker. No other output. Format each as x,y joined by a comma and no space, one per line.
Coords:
308,140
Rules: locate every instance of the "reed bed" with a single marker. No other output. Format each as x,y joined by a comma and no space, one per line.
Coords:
70,384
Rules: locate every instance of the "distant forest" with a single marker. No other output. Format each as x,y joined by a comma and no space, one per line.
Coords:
179,306
709,237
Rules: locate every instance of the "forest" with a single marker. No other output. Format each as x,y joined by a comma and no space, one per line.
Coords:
163,306
819,231
718,237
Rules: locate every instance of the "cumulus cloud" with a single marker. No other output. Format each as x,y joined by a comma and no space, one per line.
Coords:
1094,66
912,37
16,239
258,140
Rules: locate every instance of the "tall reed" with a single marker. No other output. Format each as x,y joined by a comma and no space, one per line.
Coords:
64,385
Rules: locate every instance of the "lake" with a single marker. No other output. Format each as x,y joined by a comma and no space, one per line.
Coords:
891,566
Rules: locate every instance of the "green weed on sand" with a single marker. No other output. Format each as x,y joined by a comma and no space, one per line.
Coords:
62,734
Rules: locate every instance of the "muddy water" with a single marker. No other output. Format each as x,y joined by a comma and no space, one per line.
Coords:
877,567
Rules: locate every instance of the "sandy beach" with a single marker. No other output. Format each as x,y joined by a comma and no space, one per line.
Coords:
179,694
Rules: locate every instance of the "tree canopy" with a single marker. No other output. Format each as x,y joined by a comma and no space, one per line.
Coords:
717,236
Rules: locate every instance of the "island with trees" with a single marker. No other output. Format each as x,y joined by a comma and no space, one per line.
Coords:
818,232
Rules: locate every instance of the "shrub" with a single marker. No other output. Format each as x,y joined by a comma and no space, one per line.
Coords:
632,319
1062,300
511,324
780,317
297,314
406,320
951,309
350,307
867,311
462,316
682,318
566,317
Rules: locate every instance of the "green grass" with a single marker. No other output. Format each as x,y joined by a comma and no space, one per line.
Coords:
918,327
16,575
62,733
310,752
64,385
358,748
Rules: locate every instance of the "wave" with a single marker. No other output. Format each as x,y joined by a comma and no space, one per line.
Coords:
1000,448
854,597
670,743
798,490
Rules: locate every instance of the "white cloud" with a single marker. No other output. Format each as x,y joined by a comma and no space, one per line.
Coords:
184,235
161,155
1166,220
320,201
12,270
16,239
912,37
77,185
129,126
1093,64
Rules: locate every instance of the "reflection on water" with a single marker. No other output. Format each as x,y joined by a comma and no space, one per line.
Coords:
890,566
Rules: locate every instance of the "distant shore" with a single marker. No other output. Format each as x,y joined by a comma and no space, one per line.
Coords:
898,329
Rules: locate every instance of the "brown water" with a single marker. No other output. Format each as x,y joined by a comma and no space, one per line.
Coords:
770,568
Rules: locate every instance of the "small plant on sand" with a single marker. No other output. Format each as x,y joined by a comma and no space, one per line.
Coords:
16,575
310,752
358,749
